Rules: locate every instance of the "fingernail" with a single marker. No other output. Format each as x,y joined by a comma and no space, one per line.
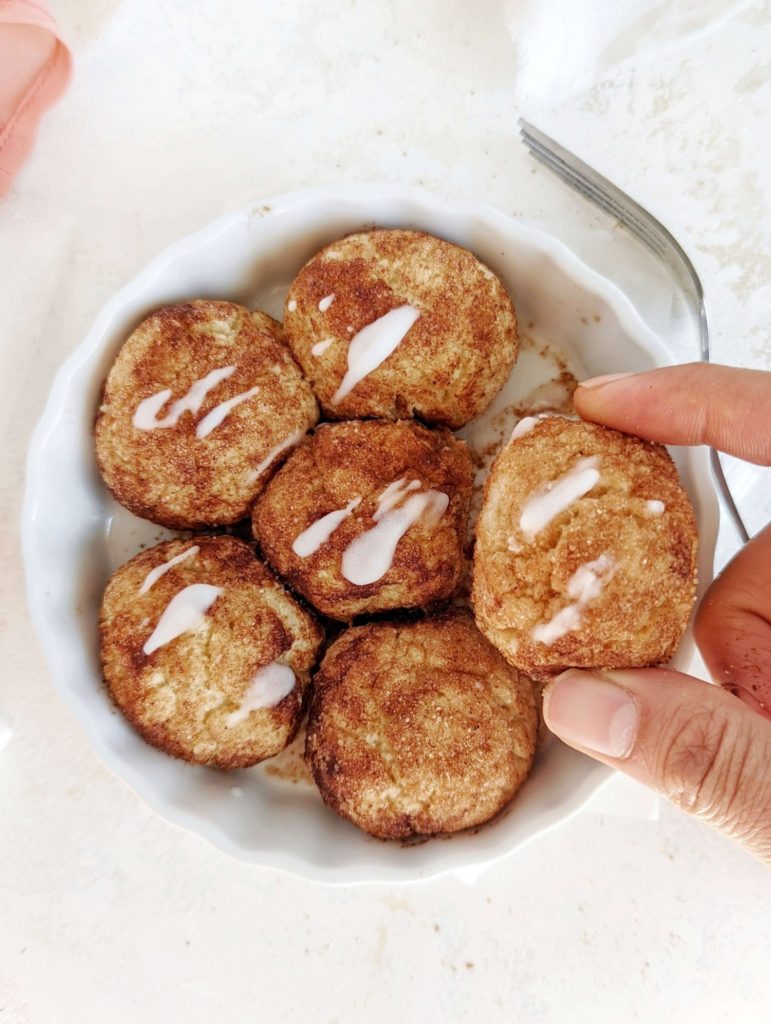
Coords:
592,712
598,382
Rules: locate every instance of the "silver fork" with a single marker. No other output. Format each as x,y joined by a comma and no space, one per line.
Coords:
635,218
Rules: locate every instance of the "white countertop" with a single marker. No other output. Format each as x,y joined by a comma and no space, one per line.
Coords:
179,112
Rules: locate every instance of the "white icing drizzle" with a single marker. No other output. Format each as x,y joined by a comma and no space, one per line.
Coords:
291,306
268,687
321,346
393,494
326,302
160,570
527,423
309,541
523,427
274,453
184,612
588,580
213,419
654,507
584,586
369,557
557,495
565,621
373,344
146,414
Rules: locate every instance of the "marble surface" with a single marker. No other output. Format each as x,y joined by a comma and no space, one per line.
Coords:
180,111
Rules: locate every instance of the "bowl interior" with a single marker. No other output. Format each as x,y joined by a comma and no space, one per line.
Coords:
75,535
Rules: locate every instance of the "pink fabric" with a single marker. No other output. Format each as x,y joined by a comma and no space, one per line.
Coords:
35,67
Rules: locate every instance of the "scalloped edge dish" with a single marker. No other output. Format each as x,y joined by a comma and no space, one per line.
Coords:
71,542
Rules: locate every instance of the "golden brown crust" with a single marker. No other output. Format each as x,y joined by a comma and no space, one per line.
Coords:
179,697
169,475
359,459
648,567
419,729
453,360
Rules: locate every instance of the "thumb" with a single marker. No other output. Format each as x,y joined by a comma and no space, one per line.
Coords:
695,743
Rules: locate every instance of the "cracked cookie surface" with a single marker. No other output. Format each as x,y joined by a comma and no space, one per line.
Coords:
586,550
419,728
359,471
448,364
205,653
202,402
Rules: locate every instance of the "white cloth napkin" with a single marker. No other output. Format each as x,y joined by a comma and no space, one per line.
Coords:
564,47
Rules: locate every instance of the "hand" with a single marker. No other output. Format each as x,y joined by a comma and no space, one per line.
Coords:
706,748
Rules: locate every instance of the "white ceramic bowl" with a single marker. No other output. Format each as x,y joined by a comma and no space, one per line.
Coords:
74,535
